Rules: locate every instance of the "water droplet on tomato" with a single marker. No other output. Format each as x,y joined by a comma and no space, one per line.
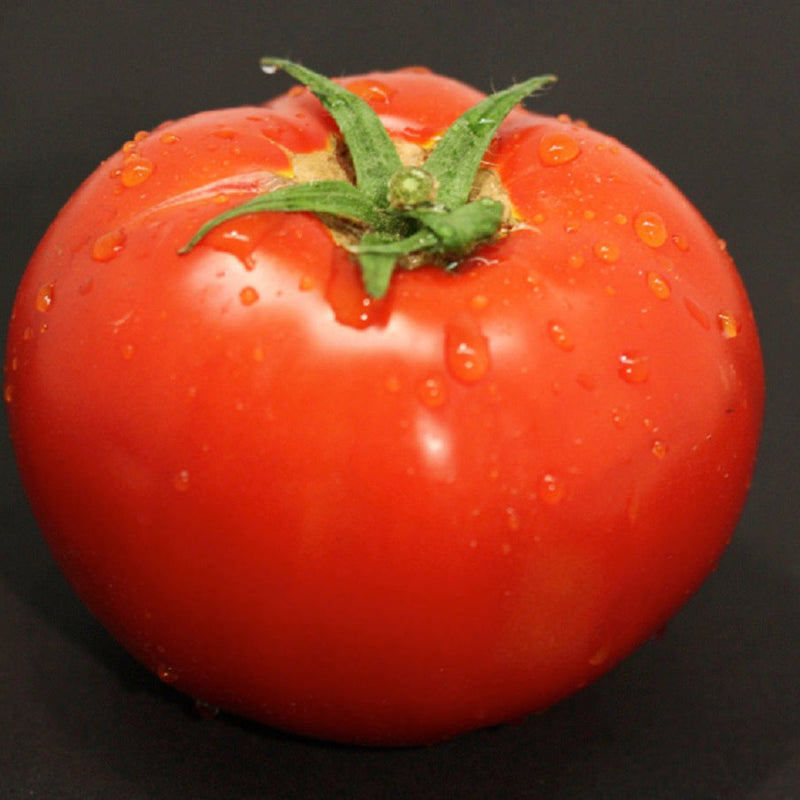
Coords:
306,283
658,285
659,449
433,391
512,523
44,297
180,481
650,228
728,324
8,393
560,336
479,302
697,313
551,489
466,349
634,367
169,138
248,296
136,170
166,673
373,91
607,252
558,148
681,242
109,245
620,219
128,351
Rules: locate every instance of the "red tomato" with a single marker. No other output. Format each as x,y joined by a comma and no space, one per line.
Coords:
382,521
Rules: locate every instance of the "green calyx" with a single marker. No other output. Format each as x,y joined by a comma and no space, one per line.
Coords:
402,214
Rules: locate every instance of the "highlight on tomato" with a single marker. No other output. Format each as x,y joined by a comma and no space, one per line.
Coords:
384,410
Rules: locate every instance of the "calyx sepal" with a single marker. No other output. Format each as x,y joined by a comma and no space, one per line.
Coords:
401,213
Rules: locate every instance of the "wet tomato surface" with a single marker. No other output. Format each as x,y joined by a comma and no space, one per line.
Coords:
382,520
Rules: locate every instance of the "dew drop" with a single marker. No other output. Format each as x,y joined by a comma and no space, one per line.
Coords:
634,368
600,656
512,523
728,324
136,170
128,351
306,283
466,349
659,449
551,489
180,481
650,228
433,391
558,148
620,219
44,297
8,393
576,261
373,91
607,252
166,673
109,245
697,313
248,296
560,336
681,242
169,138
268,69
479,302
658,285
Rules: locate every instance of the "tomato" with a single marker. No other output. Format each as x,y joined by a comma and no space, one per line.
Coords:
386,517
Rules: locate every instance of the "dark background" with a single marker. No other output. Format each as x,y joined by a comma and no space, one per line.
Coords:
708,91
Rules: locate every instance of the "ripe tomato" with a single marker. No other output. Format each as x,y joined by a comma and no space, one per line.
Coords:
381,519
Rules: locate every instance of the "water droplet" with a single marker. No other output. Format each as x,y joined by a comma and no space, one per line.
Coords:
8,393
393,384
109,245
479,302
27,334
558,148
225,133
658,285
650,228
728,324
180,481
634,367
136,170
512,523
44,297
466,349
576,261
560,336
373,91
268,69
620,219
607,251
166,673
600,656
659,449
128,351
551,489
248,296
169,138
306,283
433,391
681,242
697,313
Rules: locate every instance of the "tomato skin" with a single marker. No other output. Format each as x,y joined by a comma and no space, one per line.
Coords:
388,521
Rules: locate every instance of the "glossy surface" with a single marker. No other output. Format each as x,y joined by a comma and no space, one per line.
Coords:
382,521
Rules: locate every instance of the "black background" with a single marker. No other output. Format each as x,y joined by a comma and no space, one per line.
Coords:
708,91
